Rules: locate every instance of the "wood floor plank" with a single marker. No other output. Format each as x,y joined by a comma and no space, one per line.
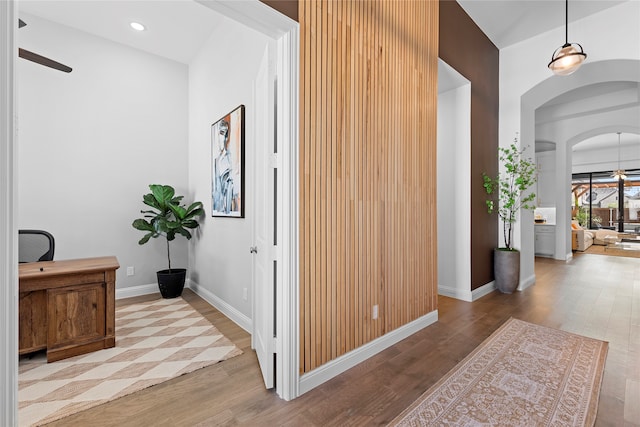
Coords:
593,295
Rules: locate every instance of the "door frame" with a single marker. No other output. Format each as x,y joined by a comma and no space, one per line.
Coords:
8,215
285,32
288,318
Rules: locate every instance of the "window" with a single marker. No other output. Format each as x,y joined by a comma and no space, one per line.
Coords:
599,201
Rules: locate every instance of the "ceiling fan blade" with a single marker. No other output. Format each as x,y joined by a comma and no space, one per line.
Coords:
21,23
39,59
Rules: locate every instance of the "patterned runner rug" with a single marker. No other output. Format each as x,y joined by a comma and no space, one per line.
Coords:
522,375
155,341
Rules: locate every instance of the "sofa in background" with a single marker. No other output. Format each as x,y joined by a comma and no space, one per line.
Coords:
581,239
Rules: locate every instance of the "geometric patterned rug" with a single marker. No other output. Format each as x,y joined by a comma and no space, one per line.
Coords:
522,375
155,341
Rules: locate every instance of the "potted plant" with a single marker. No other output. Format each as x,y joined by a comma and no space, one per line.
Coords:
509,189
168,218
582,216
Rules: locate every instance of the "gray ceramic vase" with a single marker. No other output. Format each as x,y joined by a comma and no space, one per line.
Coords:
506,266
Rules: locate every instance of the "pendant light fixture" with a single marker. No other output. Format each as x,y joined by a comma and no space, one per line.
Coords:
568,57
619,174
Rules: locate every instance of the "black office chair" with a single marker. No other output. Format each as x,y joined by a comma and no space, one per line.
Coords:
35,245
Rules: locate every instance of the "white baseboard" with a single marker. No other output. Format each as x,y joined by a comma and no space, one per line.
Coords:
450,291
467,294
483,290
225,308
524,284
135,291
347,361
243,321
569,256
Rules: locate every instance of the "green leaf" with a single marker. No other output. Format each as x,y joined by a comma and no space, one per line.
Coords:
141,224
190,223
162,193
178,211
145,239
185,233
149,200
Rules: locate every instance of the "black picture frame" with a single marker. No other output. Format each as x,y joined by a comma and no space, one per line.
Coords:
227,165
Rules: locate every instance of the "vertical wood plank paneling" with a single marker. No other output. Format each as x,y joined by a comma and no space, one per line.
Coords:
332,76
322,175
368,149
314,194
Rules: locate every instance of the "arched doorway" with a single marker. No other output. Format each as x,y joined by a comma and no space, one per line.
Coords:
550,90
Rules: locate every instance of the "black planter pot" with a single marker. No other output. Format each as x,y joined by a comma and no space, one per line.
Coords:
171,282
506,265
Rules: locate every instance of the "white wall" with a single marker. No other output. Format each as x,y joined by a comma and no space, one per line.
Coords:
454,188
526,83
221,78
90,143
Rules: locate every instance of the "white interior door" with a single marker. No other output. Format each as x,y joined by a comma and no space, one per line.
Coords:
264,264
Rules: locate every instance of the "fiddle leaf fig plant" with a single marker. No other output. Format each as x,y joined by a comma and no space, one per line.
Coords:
167,216
509,188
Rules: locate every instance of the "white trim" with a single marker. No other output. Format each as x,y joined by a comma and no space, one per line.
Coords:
224,307
253,14
466,295
337,366
8,216
454,292
288,318
135,291
524,284
483,290
569,256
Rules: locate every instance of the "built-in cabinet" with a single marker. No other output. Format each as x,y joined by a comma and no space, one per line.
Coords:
546,183
545,243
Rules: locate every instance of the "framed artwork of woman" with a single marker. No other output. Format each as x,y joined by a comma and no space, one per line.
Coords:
227,165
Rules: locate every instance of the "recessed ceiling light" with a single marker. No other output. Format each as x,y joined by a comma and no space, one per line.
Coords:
137,26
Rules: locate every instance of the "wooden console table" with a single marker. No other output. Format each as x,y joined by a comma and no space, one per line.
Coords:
67,307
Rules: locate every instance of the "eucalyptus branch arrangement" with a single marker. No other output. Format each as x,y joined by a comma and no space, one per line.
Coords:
509,188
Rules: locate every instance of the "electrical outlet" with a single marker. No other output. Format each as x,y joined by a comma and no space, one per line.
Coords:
375,312
244,294
131,271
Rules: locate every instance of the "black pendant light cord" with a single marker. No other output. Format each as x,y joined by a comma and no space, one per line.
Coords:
566,22
619,150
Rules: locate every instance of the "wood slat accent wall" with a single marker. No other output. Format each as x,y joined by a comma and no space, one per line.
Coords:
368,101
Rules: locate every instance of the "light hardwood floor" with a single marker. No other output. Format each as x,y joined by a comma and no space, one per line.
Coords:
593,295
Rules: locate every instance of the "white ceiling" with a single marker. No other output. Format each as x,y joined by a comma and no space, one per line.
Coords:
175,29
608,140
507,22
